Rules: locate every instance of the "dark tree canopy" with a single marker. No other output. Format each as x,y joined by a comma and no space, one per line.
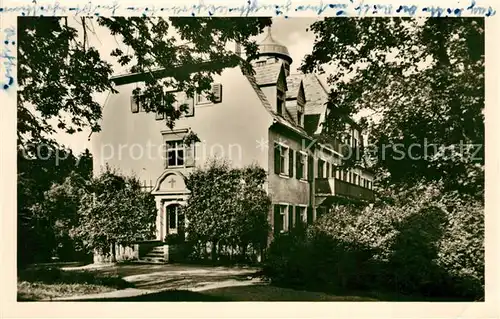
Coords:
419,81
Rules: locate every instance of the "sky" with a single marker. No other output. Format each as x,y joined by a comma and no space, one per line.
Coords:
290,32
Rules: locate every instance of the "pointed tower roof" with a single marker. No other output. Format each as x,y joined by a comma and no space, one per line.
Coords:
271,47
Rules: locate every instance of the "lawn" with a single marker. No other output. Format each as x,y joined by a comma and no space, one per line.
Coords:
50,282
240,293
176,283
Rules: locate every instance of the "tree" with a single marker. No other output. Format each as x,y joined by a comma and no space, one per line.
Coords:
421,81
59,72
227,206
44,176
115,211
60,206
251,224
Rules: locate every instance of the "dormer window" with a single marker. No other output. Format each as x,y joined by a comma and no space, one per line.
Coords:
300,117
280,102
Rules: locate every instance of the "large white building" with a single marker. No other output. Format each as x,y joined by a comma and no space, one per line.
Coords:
270,119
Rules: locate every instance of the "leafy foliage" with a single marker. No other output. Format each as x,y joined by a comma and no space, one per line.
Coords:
46,183
227,206
115,210
417,82
425,243
59,71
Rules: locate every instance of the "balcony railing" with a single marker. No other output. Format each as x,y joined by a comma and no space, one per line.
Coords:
337,187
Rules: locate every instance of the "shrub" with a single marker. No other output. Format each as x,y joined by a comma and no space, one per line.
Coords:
461,249
421,244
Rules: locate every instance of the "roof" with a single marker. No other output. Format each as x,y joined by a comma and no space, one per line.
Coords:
287,120
159,73
268,73
293,84
316,93
269,46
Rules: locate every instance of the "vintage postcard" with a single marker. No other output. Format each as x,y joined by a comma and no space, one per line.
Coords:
259,152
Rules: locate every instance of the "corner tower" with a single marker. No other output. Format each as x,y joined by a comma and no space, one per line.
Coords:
271,51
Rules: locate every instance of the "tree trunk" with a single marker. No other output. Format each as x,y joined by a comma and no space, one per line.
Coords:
113,252
214,251
244,251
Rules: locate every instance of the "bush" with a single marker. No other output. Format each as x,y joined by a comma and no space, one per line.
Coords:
316,261
461,249
424,245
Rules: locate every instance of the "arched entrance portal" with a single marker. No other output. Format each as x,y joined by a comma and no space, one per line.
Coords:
171,195
175,218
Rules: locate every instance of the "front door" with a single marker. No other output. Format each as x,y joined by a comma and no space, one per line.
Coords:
175,218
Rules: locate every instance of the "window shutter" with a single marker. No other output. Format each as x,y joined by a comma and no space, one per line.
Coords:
290,217
217,92
309,215
143,103
310,168
134,107
290,162
276,158
160,115
298,169
189,152
190,107
277,220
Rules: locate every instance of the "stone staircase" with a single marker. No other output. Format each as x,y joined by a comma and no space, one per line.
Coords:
155,255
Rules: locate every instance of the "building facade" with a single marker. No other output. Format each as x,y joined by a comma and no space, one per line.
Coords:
271,118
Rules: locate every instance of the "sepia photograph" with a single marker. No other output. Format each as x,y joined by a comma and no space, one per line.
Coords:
250,159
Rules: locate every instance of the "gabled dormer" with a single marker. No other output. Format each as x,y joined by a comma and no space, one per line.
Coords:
296,99
301,103
281,90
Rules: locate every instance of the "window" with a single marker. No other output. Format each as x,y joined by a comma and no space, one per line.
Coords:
217,95
283,158
321,168
280,102
299,118
302,214
284,217
138,105
337,174
175,153
301,165
261,63
327,170
202,99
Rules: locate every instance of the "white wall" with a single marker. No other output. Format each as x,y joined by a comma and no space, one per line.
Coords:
230,129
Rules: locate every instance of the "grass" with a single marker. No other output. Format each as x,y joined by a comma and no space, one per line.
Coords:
49,282
240,293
